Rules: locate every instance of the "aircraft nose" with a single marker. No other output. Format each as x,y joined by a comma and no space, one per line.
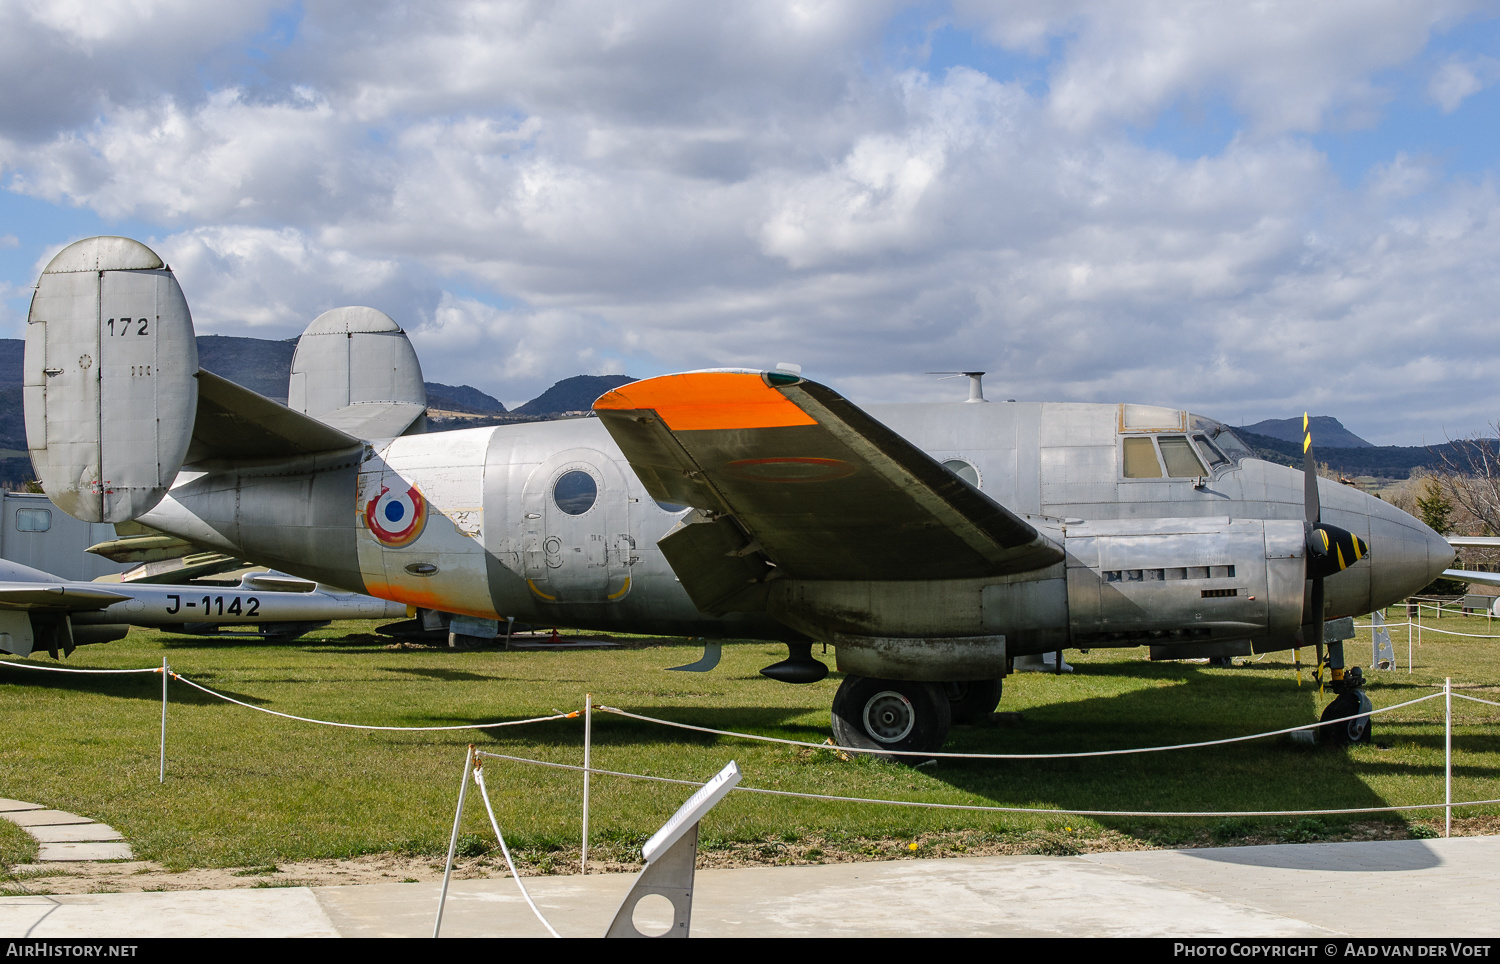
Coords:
1405,554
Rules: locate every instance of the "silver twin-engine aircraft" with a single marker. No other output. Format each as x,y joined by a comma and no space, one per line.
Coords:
929,545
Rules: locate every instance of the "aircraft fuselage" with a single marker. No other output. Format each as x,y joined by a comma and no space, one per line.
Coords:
1171,539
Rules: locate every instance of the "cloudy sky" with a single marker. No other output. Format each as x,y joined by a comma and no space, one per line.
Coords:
1246,210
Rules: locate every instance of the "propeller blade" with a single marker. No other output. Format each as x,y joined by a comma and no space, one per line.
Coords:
1310,506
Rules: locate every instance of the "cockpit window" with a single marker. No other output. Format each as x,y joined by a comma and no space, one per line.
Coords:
1140,459
1210,451
1182,462
1219,434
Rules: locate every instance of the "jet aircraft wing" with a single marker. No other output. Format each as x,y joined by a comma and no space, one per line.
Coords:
56,598
818,485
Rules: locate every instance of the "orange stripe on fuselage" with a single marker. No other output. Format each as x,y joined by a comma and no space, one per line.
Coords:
425,600
708,400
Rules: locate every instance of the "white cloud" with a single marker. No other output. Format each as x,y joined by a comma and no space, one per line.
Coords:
539,190
1287,64
1457,79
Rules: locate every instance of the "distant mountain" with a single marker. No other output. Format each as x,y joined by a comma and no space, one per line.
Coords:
12,351
1380,461
576,394
1327,433
462,398
259,364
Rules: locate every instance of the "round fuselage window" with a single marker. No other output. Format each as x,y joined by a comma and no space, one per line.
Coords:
575,492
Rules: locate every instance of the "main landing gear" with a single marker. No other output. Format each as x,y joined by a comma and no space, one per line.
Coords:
885,714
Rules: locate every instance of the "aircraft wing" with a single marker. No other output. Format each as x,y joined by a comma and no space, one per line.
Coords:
1466,575
56,598
818,485
1475,542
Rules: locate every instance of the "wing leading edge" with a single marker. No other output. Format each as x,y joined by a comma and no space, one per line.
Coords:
820,487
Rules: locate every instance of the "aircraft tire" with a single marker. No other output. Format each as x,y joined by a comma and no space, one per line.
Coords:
883,714
976,699
462,641
1350,731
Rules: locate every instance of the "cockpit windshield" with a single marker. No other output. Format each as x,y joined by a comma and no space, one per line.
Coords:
1217,442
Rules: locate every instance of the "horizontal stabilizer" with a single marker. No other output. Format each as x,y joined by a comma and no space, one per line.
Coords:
235,423
820,487
375,419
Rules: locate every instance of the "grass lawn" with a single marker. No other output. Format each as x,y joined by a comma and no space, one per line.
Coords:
246,789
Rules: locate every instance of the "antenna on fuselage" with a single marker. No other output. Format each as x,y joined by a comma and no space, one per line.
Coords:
976,384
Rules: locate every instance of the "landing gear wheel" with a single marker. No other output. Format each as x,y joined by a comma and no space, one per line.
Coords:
883,714
1350,731
462,641
972,701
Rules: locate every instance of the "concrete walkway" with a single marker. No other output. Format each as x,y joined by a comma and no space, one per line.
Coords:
65,836
1410,888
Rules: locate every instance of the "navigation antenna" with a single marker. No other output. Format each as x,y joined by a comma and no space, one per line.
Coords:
976,386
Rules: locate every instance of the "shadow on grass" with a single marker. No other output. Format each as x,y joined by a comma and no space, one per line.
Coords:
137,686
1272,773
447,675
618,731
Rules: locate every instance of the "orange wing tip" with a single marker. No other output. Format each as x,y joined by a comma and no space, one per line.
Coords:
696,401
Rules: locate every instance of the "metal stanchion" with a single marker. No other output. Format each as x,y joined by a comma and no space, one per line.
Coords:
588,742
1448,757
161,775
458,815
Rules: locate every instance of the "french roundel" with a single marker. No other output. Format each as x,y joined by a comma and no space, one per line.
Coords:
396,518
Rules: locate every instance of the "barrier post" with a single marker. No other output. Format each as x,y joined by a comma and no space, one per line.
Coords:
1419,636
1408,640
1448,757
458,815
588,743
161,774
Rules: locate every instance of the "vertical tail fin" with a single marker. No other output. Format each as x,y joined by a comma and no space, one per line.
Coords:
109,379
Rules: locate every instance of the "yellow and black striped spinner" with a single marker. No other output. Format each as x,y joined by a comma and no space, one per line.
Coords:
1332,550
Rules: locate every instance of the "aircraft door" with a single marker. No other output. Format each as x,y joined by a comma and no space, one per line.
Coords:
575,542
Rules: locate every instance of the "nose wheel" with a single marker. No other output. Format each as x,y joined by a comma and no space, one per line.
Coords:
883,714
1350,702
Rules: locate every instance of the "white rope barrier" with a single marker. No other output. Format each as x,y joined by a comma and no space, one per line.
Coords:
1476,699
1429,628
485,793
1014,756
994,809
70,669
364,726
